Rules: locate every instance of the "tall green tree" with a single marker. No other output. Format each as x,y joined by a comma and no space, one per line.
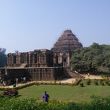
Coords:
2,57
95,58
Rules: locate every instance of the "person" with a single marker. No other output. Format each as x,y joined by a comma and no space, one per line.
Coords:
88,74
45,97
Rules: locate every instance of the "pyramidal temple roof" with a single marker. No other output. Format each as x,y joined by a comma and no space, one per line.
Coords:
67,42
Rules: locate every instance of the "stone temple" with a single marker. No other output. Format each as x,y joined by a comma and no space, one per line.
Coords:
41,64
64,46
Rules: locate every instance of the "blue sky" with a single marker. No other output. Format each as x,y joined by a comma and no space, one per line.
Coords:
26,25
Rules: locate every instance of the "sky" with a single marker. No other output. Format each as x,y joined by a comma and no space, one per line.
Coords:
26,25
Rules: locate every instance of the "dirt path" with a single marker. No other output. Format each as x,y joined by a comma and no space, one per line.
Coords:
92,77
70,80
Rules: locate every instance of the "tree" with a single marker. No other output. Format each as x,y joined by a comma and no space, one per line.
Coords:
95,58
2,57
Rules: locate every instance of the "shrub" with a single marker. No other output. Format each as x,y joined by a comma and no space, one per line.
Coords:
81,84
88,82
102,82
77,82
10,92
96,82
107,82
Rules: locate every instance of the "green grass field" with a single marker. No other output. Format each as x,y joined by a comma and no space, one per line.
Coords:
65,92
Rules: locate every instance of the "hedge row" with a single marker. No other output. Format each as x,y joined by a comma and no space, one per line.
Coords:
77,82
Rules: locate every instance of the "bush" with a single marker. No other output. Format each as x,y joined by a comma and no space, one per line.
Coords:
10,92
88,82
107,82
102,82
81,84
96,82
77,82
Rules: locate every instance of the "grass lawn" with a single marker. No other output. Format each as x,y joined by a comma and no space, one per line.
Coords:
65,92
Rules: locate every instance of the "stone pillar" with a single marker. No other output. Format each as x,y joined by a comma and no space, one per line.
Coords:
18,59
60,59
29,54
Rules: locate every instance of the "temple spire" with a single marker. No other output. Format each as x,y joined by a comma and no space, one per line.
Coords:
66,42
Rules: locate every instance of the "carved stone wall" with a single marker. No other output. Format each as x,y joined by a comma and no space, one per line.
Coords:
36,58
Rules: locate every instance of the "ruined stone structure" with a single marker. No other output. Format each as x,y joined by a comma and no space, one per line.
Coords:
41,64
64,47
36,58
